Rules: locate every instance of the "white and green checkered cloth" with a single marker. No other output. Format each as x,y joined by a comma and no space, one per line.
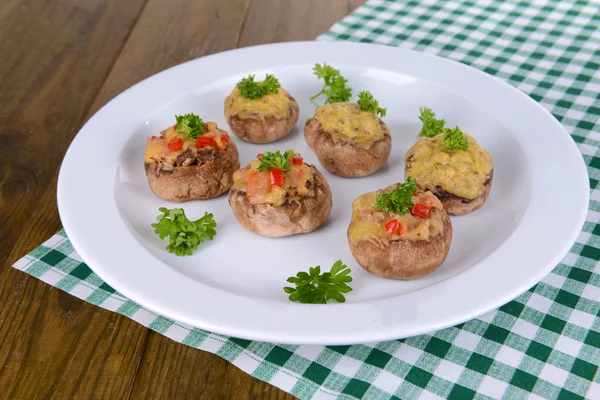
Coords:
544,344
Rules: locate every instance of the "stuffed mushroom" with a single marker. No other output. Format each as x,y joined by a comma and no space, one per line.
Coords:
451,164
349,139
190,160
400,232
260,112
280,195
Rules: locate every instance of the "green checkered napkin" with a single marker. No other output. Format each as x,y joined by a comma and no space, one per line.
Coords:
544,344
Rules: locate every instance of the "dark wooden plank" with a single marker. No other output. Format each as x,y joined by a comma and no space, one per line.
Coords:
355,3
55,56
169,33
271,21
57,346
170,370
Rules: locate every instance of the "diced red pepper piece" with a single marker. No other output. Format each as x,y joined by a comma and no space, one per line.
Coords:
297,160
259,155
421,210
223,141
175,145
276,177
392,226
205,141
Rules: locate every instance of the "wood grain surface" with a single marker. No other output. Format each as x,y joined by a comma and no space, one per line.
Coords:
62,60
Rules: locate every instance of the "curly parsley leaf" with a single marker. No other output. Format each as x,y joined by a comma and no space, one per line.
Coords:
454,139
334,88
257,90
184,235
274,159
367,103
191,124
315,287
327,72
431,125
398,200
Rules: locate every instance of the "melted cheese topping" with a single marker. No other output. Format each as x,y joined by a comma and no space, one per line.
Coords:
459,172
295,181
272,104
157,150
346,121
367,223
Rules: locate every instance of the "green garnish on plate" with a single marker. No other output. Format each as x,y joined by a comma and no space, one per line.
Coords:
431,125
399,199
274,159
191,124
367,103
253,90
334,88
184,235
314,287
454,139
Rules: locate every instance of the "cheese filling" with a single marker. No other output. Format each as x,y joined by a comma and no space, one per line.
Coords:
272,104
346,121
369,224
459,172
157,147
298,183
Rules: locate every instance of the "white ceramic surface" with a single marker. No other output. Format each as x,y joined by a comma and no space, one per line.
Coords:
233,285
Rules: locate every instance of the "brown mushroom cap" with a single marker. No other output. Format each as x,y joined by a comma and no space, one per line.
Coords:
257,128
456,205
404,259
302,216
205,180
344,158
453,204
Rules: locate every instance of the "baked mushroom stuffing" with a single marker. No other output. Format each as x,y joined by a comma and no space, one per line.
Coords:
191,160
280,195
349,139
451,164
260,112
400,232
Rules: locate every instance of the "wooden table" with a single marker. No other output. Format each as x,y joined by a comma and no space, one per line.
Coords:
61,60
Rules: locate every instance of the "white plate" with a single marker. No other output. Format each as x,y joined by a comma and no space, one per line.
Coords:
234,284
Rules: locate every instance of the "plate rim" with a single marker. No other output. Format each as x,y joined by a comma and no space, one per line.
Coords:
490,305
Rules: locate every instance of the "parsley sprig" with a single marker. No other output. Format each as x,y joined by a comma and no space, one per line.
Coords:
399,199
191,124
257,90
184,235
274,159
431,125
367,103
454,139
315,287
334,88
